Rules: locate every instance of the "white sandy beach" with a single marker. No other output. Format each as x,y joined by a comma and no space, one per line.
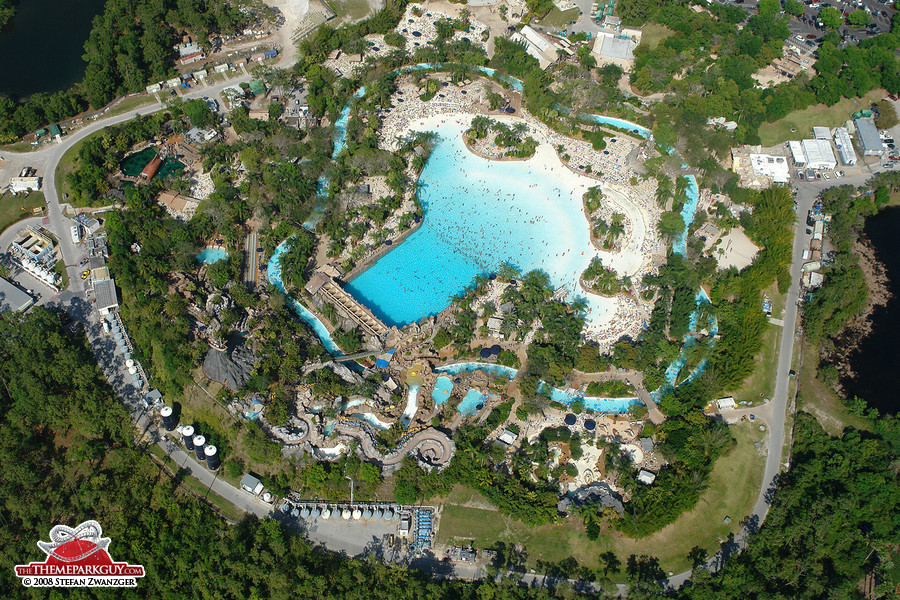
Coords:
609,318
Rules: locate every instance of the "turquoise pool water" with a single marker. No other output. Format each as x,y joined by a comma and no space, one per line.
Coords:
442,388
600,405
539,218
274,273
679,245
468,367
211,255
470,402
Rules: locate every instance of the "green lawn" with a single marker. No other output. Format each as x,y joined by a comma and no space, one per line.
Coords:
819,399
60,268
135,102
733,488
15,208
350,10
19,147
653,34
67,165
558,18
820,115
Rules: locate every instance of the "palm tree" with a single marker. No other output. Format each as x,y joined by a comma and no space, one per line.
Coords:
663,190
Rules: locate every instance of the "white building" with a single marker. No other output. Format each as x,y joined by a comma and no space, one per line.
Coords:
766,165
821,133
536,45
844,146
726,403
797,153
818,154
646,477
24,184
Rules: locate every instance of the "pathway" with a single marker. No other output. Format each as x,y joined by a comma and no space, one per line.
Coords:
252,259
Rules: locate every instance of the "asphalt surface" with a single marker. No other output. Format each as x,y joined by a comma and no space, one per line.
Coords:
803,26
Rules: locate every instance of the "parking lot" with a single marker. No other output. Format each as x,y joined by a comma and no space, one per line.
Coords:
807,30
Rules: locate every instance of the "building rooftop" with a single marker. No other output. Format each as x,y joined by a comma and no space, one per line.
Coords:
251,484
105,292
646,477
12,298
817,151
616,47
868,136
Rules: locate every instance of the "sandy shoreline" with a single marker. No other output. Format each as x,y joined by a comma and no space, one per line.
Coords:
627,316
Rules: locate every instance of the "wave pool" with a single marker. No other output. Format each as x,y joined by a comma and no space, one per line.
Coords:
479,214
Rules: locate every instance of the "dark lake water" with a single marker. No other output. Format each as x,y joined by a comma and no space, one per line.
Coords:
877,361
41,50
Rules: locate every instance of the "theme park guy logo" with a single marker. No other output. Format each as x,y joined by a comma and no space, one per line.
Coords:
78,558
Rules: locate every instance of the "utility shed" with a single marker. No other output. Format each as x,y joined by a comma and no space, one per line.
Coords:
12,298
646,477
55,130
869,141
105,293
251,484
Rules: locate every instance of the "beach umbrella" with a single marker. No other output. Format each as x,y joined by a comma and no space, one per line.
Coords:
495,349
570,419
590,425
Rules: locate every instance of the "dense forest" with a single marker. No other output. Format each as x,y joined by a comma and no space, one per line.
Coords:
67,453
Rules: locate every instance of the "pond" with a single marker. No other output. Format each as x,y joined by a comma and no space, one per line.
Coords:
42,47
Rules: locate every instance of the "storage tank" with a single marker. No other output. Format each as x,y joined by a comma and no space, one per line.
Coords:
168,418
212,457
187,433
357,514
199,442
326,513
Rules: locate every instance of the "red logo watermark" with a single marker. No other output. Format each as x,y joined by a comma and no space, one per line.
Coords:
78,558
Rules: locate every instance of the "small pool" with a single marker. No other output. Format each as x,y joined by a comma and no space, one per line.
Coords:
469,404
442,388
211,255
600,405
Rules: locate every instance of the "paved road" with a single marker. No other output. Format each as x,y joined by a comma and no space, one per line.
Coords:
805,197
238,498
